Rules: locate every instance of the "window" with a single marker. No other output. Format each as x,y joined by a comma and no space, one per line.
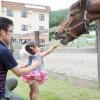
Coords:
41,28
24,27
24,14
10,13
41,17
42,40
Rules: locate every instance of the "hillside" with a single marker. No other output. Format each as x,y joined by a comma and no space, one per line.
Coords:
56,17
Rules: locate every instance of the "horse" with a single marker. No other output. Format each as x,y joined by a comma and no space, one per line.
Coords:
81,14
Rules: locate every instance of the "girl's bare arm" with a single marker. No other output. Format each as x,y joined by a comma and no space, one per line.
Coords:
43,54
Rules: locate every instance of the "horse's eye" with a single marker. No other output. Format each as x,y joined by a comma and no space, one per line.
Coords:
71,14
55,33
67,30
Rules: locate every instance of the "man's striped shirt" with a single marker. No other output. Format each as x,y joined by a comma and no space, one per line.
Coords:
7,62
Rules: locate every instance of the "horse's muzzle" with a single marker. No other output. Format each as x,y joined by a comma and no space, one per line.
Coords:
55,36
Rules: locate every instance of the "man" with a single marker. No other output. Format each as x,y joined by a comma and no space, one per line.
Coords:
7,61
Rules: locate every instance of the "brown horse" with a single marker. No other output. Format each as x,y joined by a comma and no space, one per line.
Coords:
81,14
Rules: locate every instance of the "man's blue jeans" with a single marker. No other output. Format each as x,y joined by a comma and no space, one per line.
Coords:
11,84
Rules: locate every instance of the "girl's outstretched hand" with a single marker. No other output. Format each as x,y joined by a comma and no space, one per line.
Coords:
55,45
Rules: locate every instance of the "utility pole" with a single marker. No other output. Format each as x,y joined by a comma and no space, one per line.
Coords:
98,48
37,38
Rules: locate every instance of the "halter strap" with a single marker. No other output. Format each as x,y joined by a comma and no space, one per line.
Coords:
73,35
85,21
68,30
70,21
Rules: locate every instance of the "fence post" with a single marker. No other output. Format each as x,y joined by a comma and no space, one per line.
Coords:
98,48
37,38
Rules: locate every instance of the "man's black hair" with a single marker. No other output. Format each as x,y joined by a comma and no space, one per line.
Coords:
5,23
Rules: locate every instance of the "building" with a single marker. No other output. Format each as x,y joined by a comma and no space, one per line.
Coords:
27,19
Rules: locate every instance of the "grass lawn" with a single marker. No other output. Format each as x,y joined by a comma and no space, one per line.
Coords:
55,89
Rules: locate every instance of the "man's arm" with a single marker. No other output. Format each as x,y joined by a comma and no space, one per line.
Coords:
19,71
10,64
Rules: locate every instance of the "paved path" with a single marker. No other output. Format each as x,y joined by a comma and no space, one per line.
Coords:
83,65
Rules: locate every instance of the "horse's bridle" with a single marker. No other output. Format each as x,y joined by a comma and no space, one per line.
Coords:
84,22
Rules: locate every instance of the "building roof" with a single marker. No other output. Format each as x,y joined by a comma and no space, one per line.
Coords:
24,6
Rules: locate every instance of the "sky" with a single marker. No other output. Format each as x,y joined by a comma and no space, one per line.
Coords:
54,4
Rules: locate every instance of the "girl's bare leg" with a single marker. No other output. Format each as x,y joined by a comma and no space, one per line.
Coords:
34,91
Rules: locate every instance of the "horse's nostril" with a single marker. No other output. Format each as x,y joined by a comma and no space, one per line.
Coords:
56,33
67,30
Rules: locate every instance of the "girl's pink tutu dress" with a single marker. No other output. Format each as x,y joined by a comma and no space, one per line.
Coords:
39,74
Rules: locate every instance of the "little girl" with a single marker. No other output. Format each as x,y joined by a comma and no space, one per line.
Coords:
39,74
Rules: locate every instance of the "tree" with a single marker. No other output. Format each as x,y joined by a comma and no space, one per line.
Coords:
56,17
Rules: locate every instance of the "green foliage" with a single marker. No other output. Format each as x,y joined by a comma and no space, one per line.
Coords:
56,17
50,35
92,27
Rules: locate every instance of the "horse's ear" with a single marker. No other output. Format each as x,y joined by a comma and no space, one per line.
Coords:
82,3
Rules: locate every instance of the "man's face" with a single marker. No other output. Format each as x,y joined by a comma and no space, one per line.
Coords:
7,35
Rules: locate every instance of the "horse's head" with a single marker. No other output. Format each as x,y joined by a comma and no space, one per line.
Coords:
81,14
74,25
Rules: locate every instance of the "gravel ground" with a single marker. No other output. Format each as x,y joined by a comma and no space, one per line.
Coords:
80,63
83,65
